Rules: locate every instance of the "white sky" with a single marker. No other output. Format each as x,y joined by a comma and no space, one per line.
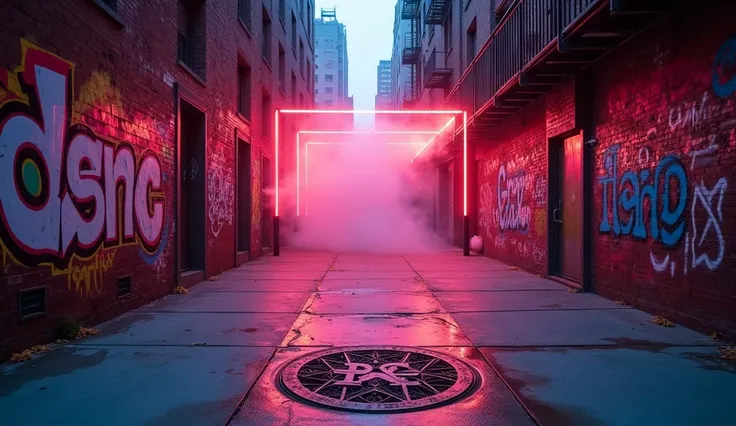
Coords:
370,25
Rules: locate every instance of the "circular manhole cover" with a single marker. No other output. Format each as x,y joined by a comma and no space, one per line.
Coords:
378,378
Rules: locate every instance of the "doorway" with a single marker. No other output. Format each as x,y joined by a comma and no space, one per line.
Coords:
243,201
266,206
566,199
444,202
192,180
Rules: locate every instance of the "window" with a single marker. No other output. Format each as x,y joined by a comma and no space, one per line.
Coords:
316,78
301,56
282,12
266,115
328,90
470,40
293,89
244,91
309,75
266,34
447,27
310,21
293,33
328,102
282,68
328,78
244,8
191,36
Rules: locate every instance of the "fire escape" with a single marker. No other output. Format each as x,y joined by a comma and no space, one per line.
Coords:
437,74
410,53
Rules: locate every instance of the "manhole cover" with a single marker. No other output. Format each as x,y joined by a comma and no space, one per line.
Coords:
377,378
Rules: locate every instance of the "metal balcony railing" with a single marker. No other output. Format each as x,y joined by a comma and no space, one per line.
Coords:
409,9
437,74
436,11
410,54
527,29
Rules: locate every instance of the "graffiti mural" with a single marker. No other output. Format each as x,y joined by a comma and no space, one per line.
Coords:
677,202
220,196
627,196
513,212
65,193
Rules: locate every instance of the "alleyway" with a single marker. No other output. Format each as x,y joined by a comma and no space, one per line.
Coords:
212,356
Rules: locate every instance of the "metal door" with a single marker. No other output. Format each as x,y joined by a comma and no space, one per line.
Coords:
571,208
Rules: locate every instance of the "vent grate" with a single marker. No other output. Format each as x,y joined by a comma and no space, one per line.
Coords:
32,302
125,286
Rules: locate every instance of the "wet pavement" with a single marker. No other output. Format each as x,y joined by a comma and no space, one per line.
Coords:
212,357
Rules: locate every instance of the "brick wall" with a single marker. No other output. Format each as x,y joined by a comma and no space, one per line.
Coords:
511,191
88,101
664,167
662,108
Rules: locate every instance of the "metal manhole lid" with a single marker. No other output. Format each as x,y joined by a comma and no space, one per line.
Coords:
377,379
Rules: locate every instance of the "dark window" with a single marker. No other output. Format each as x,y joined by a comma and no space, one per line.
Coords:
244,8
328,90
266,33
310,21
309,75
282,11
282,68
266,115
301,57
470,40
244,91
328,78
447,27
293,89
192,42
293,33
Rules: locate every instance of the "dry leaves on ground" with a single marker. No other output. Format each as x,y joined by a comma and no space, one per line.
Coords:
180,290
664,322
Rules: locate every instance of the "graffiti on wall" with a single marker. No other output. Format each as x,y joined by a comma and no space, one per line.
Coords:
676,201
220,196
513,211
68,197
511,203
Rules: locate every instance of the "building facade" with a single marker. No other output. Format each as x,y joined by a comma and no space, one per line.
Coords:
137,148
383,85
331,54
601,144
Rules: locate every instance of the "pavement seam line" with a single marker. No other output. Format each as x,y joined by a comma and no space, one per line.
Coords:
495,370
239,406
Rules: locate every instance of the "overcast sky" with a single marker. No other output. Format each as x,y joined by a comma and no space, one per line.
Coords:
370,25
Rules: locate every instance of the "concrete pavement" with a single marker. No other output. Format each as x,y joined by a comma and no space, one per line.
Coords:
211,357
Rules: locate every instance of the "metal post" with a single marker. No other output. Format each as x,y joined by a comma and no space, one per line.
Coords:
276,244
466,236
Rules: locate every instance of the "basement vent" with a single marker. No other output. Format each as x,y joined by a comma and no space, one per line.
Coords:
32,302
124,286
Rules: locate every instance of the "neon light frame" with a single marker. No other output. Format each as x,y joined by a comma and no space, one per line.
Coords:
350,132
374,112
306,163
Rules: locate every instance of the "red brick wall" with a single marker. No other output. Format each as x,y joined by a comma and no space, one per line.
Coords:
511,191
115,84
664,115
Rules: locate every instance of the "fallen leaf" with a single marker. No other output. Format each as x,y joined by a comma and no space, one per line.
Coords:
664,322
180,290
728,353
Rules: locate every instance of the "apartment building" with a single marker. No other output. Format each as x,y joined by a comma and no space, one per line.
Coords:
331,54
598,136
153,164
383,85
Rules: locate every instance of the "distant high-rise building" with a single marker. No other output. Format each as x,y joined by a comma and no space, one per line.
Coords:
383,92
331,62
